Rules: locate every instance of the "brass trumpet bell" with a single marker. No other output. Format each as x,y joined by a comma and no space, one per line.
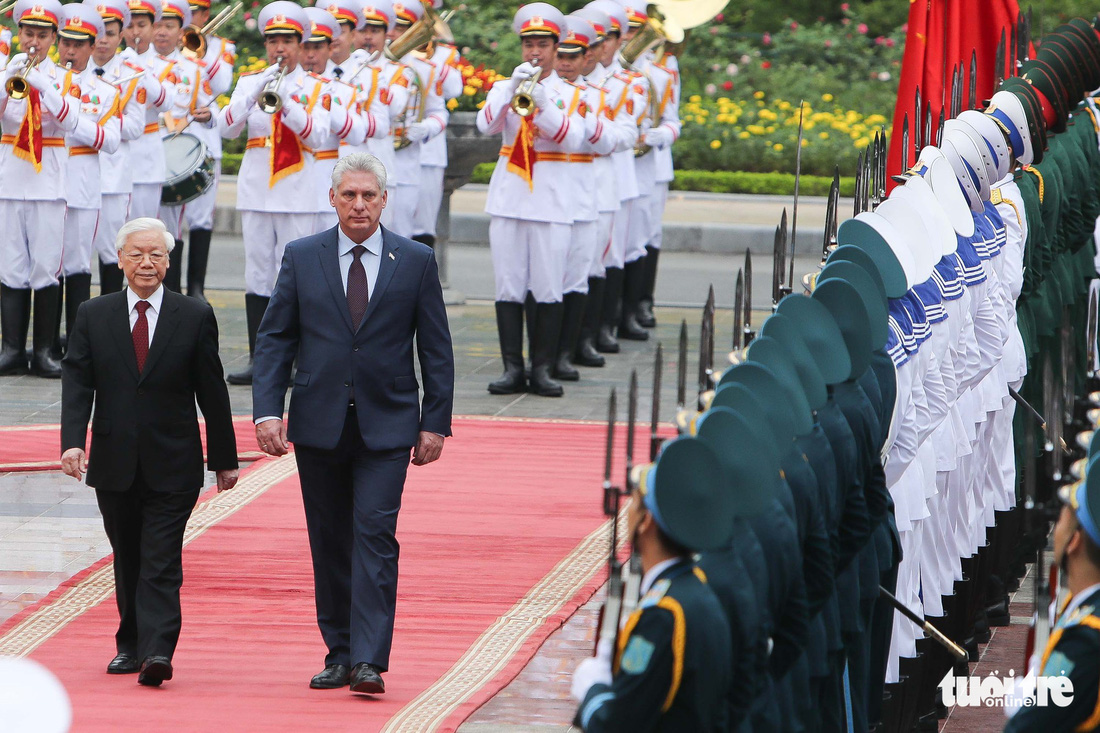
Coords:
17,85
271,101
418,34
523,101
193,42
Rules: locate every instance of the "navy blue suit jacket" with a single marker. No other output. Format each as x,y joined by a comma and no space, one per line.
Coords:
370,362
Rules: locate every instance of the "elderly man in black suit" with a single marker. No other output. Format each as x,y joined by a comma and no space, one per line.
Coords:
144,357
349,305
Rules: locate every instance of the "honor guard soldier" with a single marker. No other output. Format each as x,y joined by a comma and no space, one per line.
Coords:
281,108
387,81
158,95
99,128
447,84
192,108
1071,651
529,200
36,116
425,116
626,95
218,61
669,668
602,137
116,169
346,123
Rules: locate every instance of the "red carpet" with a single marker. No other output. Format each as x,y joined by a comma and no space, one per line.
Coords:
38,447
484,533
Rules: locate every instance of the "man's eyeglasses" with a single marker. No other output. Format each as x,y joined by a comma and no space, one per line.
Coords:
155,257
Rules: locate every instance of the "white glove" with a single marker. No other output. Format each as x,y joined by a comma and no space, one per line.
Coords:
592,671
181,102
521,72
263,79
17,62
152,85
51,98
417,132
294,114
659,137
128,54
542,97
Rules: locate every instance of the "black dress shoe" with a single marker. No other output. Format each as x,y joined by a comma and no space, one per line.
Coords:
332,677
367,679
154,670
123,664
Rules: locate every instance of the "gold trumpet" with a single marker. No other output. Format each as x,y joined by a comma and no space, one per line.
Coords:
270,100
430,27
523,101
657,31
193,42
17,85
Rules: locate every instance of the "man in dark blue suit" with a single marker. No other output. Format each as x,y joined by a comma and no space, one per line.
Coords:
347,305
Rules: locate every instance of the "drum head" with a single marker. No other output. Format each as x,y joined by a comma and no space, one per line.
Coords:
183,154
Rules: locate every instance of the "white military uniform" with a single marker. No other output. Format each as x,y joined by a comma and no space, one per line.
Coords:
407,165
273,209
218,62
447,84
32,198
666,78
530,227
628,92
99,128
191,91
116,168
347,125
157,93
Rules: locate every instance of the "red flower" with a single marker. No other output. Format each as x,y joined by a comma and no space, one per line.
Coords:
844,7
766,65
767,39
862,28
719,18
728,86
889,43
794,25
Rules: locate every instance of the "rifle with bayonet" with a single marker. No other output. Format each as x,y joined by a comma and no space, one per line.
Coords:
999,62
706,350
611,611
655,406
779,259
830,217
632,582
905,143
749,333
789,288
738,312
972,91
918,115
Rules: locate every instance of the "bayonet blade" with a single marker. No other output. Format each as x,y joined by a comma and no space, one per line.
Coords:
972,95
1013,46
739,311
882,155
655,406
928,123
608,509
777,246
749,333
874,171
631,420
999,63
905,143
682,366
939,130
794,209
917,118
859,185
836,206
830,212
706,345
868,181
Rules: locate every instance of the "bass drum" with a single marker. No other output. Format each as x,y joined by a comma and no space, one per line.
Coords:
188,169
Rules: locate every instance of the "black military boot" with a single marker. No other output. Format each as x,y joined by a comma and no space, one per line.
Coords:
606,342
510,330
646,319
254,308
586,353
175,268
46,306
196,263
15,321
78,288
110,277
57,344
427,239
547,332
529,309
572,315
633,277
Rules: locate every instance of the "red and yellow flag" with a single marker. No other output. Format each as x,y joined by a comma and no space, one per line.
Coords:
522,160
28,141
286,151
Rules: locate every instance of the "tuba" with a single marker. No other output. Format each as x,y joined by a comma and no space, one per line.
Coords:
17,86
431,27
657,31
193,43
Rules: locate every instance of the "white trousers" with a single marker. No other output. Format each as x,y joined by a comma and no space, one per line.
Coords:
386,218
528,255
638,229
174,218
80,234
403,210
31,242
614,255
266,235
603,243
578,260
429,199
145,200
199,214
112,215
326,220
657,204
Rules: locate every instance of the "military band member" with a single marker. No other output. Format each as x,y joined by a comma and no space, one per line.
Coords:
447,84
116,169
221,55
158,96
32,191
602,137
277,165
5,46
347,124
193,107
99,128
529,200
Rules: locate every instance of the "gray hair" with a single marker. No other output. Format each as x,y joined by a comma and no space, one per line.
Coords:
360,162
143,224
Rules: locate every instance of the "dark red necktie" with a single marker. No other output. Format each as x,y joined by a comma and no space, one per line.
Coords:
357,287
141,334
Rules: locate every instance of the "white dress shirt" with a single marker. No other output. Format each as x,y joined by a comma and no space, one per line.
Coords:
151,313
371,259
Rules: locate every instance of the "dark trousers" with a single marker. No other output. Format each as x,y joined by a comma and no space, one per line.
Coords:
145,528
351,497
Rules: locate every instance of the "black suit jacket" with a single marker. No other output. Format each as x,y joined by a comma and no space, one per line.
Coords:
147,418
370,362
